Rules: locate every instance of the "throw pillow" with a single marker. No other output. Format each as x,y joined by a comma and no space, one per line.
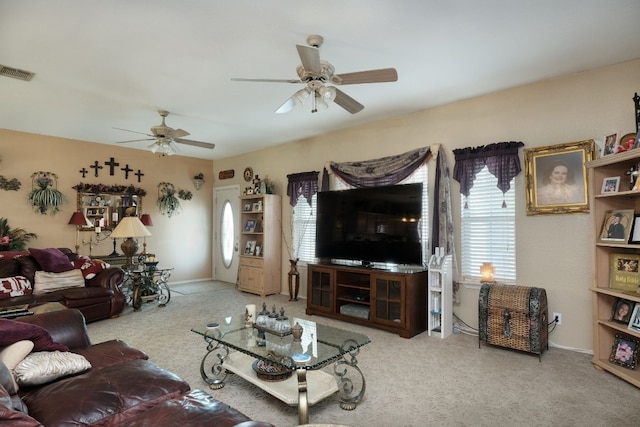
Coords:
51,259
49,282
43,367
89,267
14,287
12,355
13,331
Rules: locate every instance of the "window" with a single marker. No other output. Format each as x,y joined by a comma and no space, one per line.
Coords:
488,230
304,218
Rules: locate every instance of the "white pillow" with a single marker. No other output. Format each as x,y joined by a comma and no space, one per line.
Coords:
13,354
44,366
45,282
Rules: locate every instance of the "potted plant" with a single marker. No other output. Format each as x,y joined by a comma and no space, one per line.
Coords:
168,203
45,196
13,240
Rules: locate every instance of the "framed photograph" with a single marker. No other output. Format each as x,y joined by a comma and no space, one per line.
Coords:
610,145
635,230
616,226
247,207
623,271
610,184
634,322
624,351
257,206
250,226
556,178
250,247
258,250
622,310
628,141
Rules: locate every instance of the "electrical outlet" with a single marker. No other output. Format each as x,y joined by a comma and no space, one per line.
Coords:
558,318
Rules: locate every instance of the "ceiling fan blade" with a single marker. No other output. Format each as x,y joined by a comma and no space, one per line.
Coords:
267,80
370,76
133,131
179,133
347,102
135,140
310,57
195,143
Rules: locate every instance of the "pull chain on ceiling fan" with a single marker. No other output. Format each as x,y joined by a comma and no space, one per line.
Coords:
315,73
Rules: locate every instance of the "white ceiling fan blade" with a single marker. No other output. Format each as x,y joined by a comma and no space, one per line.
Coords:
200,144
133,131
267,80
179,133
135,140
371,76
310,57
347,102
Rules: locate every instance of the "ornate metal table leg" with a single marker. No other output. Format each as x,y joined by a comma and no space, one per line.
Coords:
164,293
303,403
350,392
211,368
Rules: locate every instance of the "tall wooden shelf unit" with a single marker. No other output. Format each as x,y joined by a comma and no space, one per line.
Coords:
441,297
394,301
604,297
260,269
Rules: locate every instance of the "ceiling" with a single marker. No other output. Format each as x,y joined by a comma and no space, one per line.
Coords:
105,64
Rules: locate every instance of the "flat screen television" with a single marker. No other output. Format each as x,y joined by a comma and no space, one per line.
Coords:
378,224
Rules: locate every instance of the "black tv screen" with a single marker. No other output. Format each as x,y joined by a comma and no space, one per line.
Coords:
379,224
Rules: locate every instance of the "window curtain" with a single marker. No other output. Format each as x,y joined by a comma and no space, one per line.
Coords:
384,171
501,159
442,231
303,183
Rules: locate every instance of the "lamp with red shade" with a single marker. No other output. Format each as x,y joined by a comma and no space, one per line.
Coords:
146,220
79,220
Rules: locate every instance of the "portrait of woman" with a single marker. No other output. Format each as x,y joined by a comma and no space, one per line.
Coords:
559,185
622,311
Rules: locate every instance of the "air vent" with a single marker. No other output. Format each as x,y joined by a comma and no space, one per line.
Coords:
15,73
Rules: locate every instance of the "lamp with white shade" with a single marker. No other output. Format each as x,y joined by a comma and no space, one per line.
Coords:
128,228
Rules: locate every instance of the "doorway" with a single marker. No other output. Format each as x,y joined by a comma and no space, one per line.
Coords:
226,233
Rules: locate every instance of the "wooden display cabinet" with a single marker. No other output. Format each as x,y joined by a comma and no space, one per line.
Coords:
394,301
260,238
605,297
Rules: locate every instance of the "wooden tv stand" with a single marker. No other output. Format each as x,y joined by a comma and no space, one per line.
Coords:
395,301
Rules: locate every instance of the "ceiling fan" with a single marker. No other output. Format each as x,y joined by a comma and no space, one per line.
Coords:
165,137
314,73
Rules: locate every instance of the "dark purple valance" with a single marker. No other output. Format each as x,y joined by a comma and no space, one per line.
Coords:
501,159
303,183
384,171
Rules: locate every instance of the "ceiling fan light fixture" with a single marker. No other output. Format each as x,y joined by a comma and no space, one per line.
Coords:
300,96
328,93
320,102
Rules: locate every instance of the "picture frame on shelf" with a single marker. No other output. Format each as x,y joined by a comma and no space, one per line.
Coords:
250,226
258,250
610,185
250,247
622,309
257,206
556,178
623,271
247,207
624,351
609,145
634,321
627,141
635,230
616,225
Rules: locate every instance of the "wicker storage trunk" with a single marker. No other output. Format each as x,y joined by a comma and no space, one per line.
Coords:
514,317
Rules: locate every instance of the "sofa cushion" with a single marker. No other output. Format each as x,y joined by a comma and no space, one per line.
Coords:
89,267
9,267
13,331
112,396
51,259
109,353
11,356
13,412
45,366
14,287
46,282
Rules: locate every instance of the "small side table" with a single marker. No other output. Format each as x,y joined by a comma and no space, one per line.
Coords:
147,284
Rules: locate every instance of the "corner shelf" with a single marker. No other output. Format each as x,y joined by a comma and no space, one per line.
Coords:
440,298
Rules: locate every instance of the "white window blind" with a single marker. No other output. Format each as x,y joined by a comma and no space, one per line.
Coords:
304,229
488,230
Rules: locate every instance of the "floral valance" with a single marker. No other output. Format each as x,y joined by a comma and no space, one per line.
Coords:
384,171
109,189
501,159
303,183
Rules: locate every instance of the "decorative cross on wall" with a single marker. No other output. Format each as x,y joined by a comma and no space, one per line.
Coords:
139,174
96,166
126,170
84,172
112,165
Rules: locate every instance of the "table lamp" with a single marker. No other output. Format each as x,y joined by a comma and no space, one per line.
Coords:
145,219
129,228
79,220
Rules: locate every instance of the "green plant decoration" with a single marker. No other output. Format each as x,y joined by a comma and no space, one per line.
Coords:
168,203
185,194
9,184
13,240
45,196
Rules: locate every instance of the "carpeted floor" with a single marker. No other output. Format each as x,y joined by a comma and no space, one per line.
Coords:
410,382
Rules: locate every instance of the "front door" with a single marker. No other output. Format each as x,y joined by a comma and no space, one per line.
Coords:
226,229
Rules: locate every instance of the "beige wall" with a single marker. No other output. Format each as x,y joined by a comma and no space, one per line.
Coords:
182,241
553,251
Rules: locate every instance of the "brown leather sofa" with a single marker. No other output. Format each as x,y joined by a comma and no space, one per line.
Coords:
121,388
100,298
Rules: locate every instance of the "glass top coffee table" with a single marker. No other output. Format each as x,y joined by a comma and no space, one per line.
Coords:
284,367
